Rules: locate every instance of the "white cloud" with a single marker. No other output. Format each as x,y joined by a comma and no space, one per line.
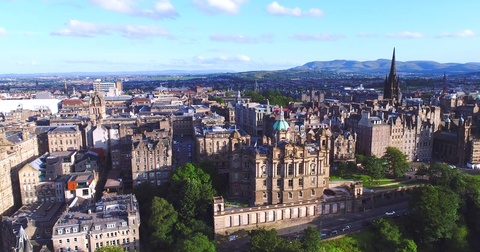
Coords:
77,28
232,38
122,6
461,34
161,9
139,31
405,35
3,31
318,37
219,6
275,8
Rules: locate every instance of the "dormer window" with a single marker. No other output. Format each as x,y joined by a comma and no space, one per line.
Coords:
97,227
60,231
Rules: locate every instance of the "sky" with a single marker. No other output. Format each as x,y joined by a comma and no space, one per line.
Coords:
56,36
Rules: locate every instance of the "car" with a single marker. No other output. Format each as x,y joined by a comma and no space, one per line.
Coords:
390,213
334,232
346,228
324,235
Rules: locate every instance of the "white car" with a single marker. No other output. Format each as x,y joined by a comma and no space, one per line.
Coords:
390,213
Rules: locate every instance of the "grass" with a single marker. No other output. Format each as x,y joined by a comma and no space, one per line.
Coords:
361,241
401,183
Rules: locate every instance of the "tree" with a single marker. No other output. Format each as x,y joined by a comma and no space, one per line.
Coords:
195,243
396,161
433,214
191,193
311,239
161,224
390,238
262,240
374,167
109,249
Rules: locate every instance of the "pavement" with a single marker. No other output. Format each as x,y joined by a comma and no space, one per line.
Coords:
325,224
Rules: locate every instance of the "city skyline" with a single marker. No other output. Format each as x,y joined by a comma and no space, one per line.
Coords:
234,35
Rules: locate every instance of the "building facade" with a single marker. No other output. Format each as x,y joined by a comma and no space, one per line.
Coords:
113,221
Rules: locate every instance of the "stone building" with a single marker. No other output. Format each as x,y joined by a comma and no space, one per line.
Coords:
151,159
63,138
373,135
17,148
281,169
213,144
113,221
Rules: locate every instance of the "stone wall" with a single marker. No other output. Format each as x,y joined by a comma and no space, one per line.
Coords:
227,221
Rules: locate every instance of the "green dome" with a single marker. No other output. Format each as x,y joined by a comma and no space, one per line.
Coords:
281,124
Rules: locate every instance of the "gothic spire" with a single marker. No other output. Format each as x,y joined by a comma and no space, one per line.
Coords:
393,70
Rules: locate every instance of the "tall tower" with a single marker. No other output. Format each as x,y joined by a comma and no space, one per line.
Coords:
391,86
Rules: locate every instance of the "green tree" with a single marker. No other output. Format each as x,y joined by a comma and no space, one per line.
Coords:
262,240
161,224
191,193
374,167
390,238
311,240
109,249
433,214
396,161
195,243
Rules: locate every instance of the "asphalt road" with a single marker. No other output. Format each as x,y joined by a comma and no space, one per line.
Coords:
326,225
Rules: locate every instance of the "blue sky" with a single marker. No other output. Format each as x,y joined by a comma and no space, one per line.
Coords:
41,36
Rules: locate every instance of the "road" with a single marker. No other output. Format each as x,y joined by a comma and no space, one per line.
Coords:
326,224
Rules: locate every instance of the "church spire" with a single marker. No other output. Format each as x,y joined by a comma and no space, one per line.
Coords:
393,70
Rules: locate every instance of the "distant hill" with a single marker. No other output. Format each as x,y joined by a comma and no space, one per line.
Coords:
383,66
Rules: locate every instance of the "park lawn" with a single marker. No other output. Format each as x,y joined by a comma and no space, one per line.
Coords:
379,182
359,242
402,183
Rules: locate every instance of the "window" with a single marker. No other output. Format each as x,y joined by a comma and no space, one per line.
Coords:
290,195
290,183
313,192
312,181
60,231
264,195
264,170
290,169
300,194
279,169
312,168
300,168
300,182
264,182
279,182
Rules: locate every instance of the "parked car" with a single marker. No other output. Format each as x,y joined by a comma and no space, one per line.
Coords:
346,228
390,213
334,232
324,235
